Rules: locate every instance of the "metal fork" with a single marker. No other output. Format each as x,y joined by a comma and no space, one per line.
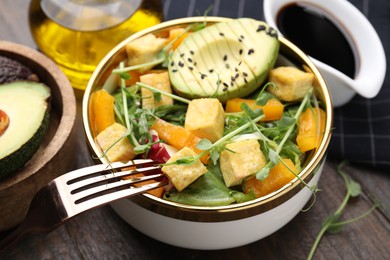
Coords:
77,191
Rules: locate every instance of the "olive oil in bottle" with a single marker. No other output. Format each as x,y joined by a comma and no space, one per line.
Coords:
77,34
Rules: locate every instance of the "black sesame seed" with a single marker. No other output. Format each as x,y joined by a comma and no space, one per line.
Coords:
236,69
202,76
172,63
245,81
181,64
245,74
231,83
211,71
239,63
226,85
225,58
222,34
225,89
195,63
189,60
232,78
236,76
241,51
190,68
174,70
242,36
240,40
192,52
181,55
227,65
272,32
260,28
250,51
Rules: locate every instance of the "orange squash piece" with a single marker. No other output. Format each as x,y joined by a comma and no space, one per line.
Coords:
178,136
158,192
134,78
102,113
278,176
311,126
174,33
273,109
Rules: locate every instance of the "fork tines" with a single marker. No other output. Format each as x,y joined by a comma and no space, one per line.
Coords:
101,184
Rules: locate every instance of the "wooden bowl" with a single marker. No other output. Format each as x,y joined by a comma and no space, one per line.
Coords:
54,156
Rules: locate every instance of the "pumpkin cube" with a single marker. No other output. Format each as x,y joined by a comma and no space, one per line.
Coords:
183,175
205,118
281,174
241,159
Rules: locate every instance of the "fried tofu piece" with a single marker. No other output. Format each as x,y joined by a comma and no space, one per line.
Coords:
160,81
144,50
291,83
113,143
205,118
183,175
241,159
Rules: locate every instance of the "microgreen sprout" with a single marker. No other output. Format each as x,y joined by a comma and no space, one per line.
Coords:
332,223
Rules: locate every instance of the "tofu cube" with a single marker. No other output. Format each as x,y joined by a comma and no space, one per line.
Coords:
205,118
241,159
114,145
292,83
160,81
143,50
183,175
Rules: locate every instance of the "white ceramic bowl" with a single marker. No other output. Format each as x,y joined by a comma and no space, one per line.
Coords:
215,227
369,54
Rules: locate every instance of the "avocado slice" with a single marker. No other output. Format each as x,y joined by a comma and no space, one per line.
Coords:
26,104
225,60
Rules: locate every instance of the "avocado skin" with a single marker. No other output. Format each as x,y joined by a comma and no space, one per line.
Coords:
11,70
19,158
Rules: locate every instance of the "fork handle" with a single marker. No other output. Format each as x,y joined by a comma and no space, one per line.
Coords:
35,221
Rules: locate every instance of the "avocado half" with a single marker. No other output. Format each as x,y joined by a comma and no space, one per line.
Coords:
225,60
25,104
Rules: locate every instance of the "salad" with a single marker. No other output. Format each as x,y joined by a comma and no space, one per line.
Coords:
209,104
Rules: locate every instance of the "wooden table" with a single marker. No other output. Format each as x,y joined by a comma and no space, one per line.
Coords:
102,234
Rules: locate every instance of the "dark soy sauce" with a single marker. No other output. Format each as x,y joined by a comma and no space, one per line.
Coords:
317,36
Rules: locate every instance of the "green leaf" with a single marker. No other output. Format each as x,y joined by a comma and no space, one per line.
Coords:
204,144
263,173
208,190
263,98
125,75
354,188
285,122
214,155
188,160
240,197
157,96
140,149
273,156
252,113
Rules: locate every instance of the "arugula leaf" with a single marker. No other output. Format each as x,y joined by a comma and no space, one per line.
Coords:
209,190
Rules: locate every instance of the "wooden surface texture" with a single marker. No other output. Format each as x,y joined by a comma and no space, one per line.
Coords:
102,234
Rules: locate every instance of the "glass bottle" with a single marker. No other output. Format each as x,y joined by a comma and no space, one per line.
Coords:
77,34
